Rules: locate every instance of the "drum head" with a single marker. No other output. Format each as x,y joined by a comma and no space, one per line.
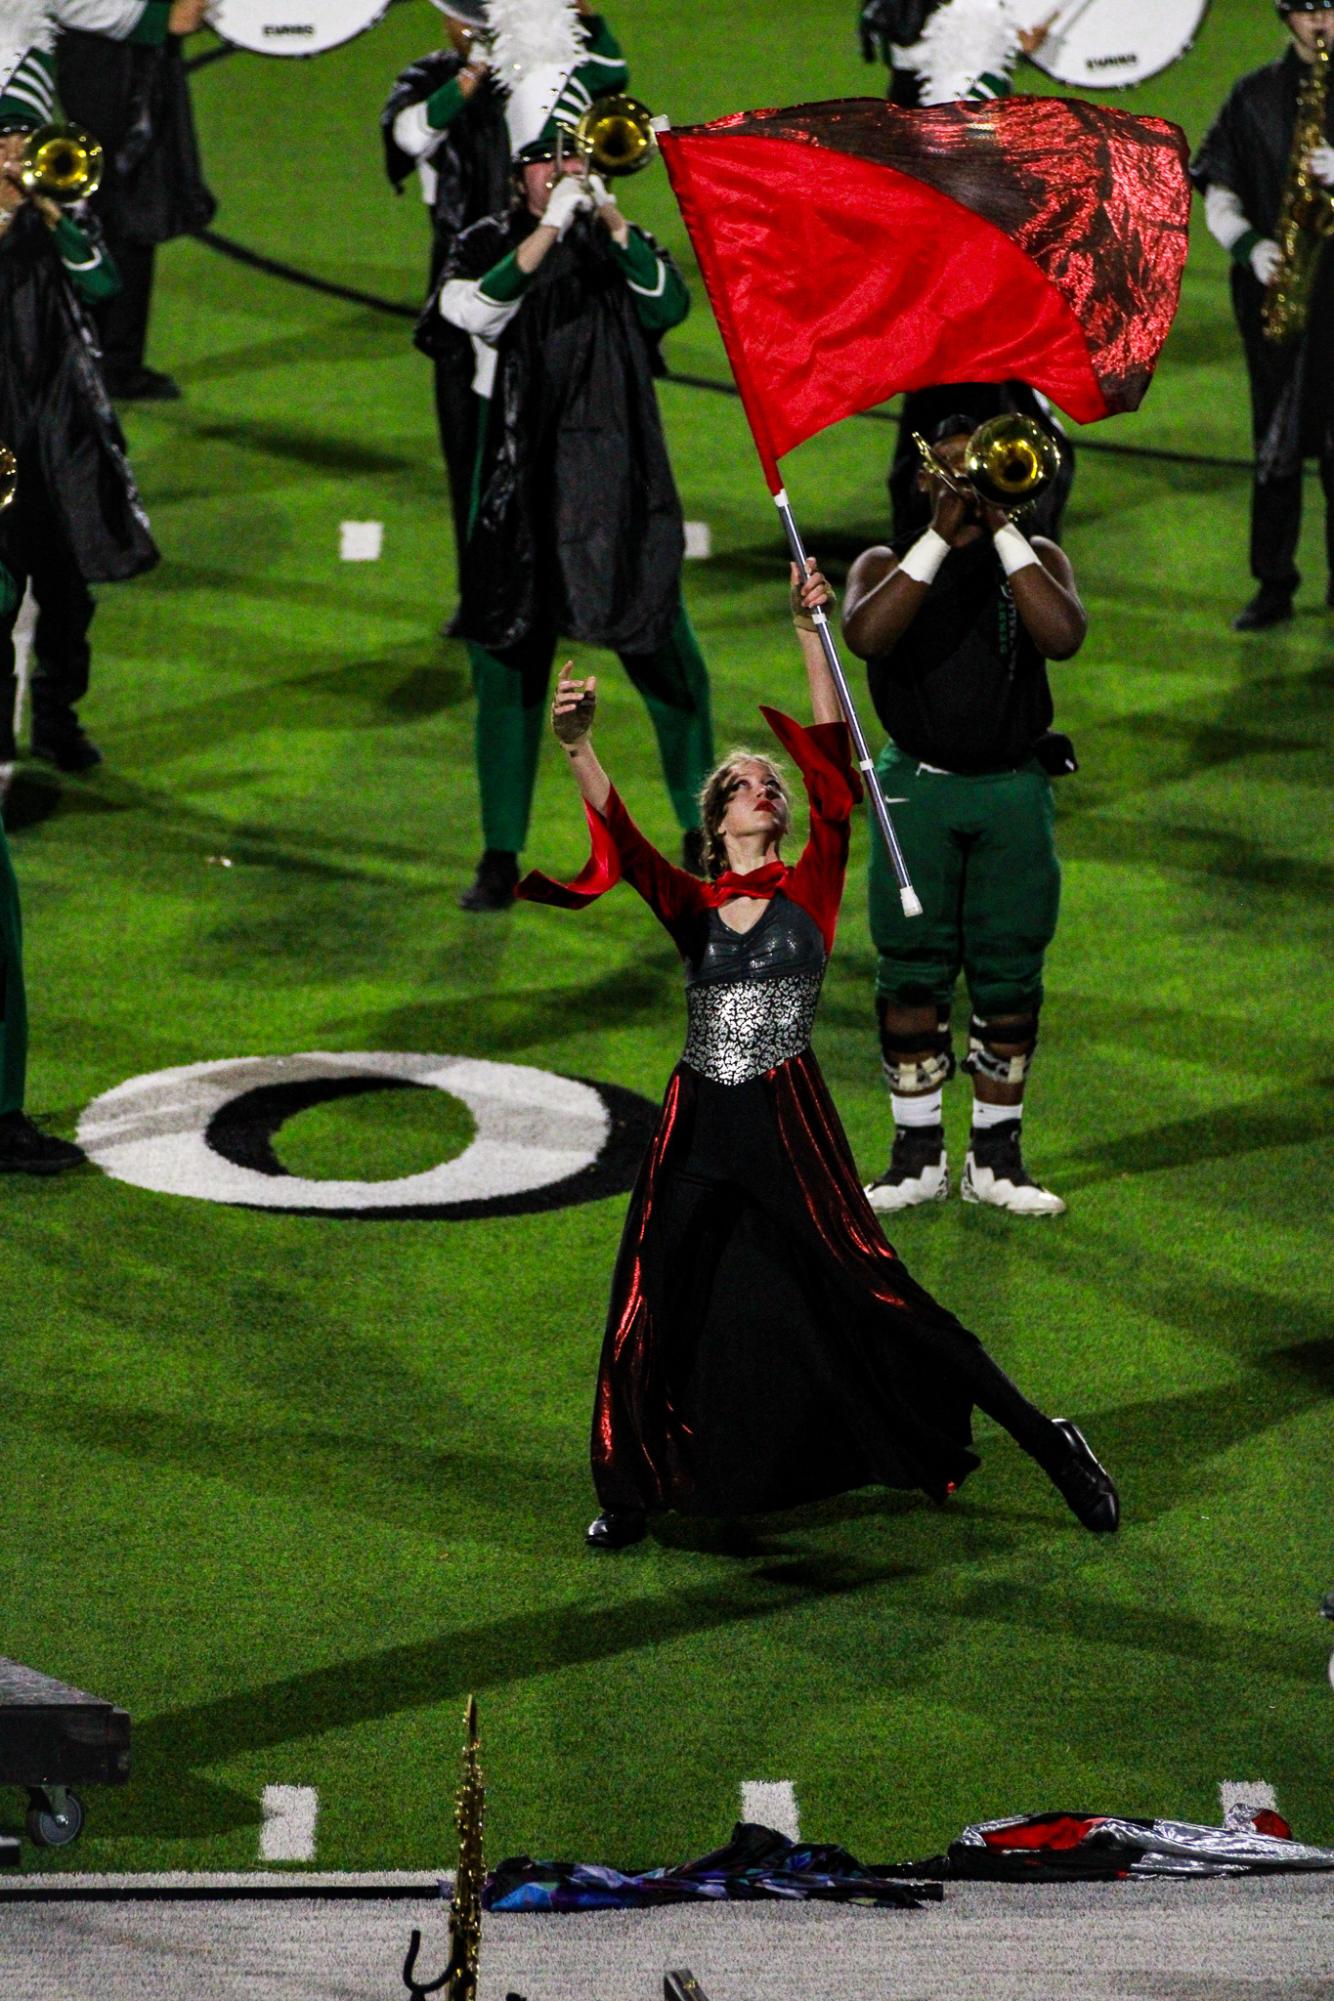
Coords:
1110,44
293,27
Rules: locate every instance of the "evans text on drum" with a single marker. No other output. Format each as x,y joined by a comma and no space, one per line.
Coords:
1110,44
293,27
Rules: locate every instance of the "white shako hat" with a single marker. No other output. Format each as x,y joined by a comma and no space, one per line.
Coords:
536,46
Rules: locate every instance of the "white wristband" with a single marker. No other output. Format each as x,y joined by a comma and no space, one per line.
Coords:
925,557
1015,553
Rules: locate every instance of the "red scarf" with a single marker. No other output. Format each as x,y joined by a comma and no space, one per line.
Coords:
761,882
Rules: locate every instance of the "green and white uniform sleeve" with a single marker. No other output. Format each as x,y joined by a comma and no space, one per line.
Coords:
88,265
418,127
1229,224
657,287
142,21
484,307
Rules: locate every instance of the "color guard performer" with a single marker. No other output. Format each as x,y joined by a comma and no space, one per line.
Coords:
764,1345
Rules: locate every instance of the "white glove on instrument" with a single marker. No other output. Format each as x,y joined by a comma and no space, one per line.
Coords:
569,198
601,193
1265,259
1321,163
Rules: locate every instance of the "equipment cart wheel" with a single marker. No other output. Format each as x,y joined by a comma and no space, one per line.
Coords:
55,1816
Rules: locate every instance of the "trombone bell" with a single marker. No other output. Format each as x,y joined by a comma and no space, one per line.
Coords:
1010,462
615,136
62,163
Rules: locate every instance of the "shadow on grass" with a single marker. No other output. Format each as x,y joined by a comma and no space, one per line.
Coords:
170,1750
1225,1133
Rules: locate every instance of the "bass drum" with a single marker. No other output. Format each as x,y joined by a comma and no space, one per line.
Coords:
1110,44
293,27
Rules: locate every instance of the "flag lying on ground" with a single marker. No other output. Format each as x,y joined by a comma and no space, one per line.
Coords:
853,249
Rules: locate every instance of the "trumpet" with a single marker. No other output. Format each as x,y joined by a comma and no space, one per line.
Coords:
1010,462
63,163
614,136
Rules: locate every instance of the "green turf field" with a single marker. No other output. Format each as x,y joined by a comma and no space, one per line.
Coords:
287,1487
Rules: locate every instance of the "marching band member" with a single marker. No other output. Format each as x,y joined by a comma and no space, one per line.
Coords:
956,632
121,75
939,51
76,518
576,525
1244,167
764,1345
445,118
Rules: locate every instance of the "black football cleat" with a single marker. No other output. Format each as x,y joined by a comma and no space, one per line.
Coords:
616,1528
1084,1481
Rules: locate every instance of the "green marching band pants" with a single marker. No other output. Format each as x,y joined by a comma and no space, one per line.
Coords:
13,1001
983,861
511,690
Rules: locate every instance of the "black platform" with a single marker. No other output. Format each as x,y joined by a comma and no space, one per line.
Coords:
52,1738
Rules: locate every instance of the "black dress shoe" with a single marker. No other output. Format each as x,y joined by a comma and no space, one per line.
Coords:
26,1149
1084,1481
142,385
616,1528
59,738
493,886
1268,607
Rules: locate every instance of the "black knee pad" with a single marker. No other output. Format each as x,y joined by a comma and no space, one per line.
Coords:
922,1061
983,1060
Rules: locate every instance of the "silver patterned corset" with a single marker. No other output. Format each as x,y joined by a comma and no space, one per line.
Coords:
741,1028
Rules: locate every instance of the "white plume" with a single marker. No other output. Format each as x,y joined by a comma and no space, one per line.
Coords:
24,25
962,41
533,34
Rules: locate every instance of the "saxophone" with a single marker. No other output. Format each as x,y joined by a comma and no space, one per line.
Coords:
1306,213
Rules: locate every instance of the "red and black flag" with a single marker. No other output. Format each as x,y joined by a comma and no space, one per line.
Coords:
853,249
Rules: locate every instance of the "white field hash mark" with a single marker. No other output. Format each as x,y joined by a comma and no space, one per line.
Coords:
361,541
699,541
773,1803
288,1833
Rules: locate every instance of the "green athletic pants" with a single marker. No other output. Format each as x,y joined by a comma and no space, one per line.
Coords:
511,690
13,1001
982,859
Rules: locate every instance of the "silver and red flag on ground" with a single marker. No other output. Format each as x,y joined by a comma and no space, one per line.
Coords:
853,249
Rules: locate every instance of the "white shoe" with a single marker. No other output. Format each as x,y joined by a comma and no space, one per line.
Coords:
1000,1178
918,1171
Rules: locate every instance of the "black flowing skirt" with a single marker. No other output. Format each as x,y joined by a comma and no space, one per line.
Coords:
765,1345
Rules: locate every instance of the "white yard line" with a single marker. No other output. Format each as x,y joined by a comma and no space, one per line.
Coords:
288,1833
773,1803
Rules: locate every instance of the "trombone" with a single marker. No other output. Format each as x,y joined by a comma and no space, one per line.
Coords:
1009,463
61,163
614,136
